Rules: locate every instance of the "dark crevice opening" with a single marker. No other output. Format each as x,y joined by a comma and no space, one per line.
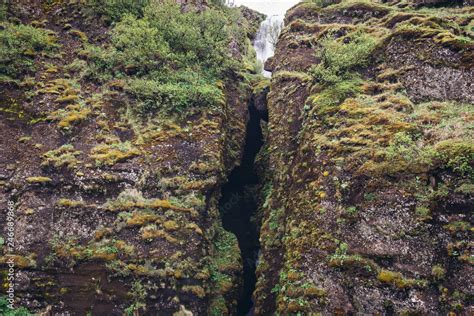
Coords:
239,203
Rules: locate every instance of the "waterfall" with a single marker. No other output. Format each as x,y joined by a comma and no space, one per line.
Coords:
266,38
270,28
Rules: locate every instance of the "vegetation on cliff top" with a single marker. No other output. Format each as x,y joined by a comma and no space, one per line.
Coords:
171,60
19,44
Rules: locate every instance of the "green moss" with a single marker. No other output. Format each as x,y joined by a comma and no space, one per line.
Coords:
110,154
358,5
314,291
458,226
24,139
22,262
438,272
443,142
325,3
81,35
224,268
131,199
70,203
227,255
272,228
170,225
38,180
427,28
194,289
457,155
354,262
63,156
397,279
72,115
67,99
327,101
465,188
261,85
289,75
141,218
104,249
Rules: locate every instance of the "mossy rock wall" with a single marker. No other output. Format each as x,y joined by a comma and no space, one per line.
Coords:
116,213
370,207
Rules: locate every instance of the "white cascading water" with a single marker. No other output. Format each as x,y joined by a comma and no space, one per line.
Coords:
265,39
264,42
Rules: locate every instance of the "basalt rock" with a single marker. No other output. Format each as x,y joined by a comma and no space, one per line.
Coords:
362,214
363,184
114,213
254,18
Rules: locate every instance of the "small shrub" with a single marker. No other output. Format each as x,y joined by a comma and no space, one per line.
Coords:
336,73
6,311
404,150
341,252
402,147
423,212
176,96
352,210
138,44
70,203
3,11
339,60
457,155
172,60
113,10
138,294
18,46
194,39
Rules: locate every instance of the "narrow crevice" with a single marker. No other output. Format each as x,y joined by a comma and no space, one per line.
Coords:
239,203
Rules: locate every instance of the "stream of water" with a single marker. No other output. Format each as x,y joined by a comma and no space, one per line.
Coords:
275,10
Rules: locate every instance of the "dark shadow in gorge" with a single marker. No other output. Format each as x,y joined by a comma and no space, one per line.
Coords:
238,204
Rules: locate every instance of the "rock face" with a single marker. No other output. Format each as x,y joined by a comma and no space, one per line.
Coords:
255,19
369,173
117,140
114,213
